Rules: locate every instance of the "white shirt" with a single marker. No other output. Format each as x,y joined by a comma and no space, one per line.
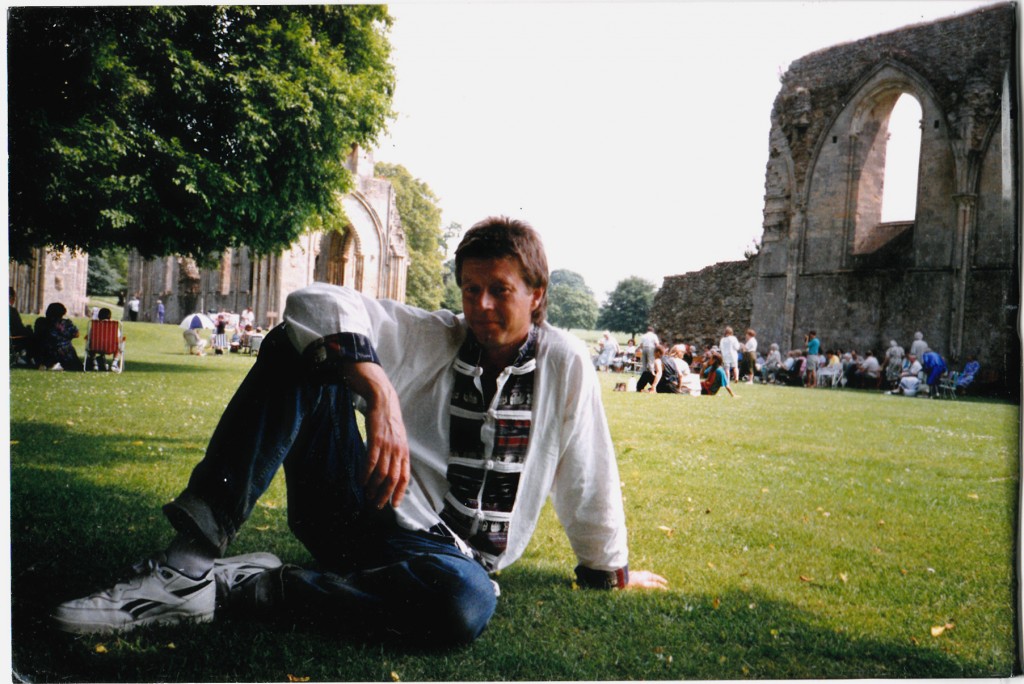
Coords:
570,454
870,366
751,345
649,339
729,346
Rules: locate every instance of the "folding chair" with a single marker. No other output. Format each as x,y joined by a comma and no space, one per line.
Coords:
105,339
254,344
947,385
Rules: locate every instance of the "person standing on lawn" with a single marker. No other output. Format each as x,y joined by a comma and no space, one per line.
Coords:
468,432
811,359
648,341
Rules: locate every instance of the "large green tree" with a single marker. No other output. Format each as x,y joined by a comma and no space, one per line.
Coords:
188,129
421,221
628,307
571,303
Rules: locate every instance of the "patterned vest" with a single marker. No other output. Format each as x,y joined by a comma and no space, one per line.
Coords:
488,447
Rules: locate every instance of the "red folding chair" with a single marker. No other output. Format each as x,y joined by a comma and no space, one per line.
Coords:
105,338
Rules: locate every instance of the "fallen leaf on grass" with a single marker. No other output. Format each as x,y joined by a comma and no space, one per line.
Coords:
13,442
138,442
395,677
972,495
716,603
293,678
805,578
938,630
100,648
711,565
667,530
844,577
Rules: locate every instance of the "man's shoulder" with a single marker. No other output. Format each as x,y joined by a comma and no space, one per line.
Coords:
560,346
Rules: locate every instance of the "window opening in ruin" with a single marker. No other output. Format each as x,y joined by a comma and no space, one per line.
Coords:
902,159
887,155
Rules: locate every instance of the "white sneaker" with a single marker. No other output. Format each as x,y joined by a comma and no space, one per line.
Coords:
157,594
234,570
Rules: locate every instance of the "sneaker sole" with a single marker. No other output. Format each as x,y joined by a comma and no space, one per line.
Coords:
169,618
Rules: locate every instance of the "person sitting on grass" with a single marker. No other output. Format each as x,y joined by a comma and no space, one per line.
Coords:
53,335
689,382
715,377
468,433
662,377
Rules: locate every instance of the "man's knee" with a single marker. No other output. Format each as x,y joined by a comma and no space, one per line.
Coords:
464,597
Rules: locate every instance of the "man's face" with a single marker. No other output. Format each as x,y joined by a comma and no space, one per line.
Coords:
497,302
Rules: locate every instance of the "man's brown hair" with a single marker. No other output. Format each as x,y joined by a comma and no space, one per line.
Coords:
499,237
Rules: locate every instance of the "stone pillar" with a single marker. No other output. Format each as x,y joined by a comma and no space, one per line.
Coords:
965,219
794,259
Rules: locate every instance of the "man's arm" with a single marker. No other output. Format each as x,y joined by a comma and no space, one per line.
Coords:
386,474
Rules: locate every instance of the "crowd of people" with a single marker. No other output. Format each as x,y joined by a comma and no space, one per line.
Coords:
682,369
48,343
230,333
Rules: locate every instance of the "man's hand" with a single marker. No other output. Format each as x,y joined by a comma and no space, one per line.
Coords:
642,579
386,474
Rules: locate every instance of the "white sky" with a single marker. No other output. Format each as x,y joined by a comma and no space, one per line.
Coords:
633,136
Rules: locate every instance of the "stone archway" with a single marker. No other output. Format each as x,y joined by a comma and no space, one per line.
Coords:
339,258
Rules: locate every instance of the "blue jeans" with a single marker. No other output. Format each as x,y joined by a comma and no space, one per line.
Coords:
388,580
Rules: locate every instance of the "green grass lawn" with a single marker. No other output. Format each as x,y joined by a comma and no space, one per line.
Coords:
805,534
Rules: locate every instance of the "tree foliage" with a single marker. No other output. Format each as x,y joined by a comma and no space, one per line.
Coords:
451,299
571,303
628,307
108,271
188,129
421,221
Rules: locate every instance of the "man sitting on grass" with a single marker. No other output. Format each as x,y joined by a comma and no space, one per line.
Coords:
471,422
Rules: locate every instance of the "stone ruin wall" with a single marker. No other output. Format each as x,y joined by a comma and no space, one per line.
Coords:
827,261
695,307
50,276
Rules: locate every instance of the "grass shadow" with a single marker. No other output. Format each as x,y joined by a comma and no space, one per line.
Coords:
38,444
71,545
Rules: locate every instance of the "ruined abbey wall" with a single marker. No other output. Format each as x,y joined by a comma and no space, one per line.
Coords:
695,307
829,262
